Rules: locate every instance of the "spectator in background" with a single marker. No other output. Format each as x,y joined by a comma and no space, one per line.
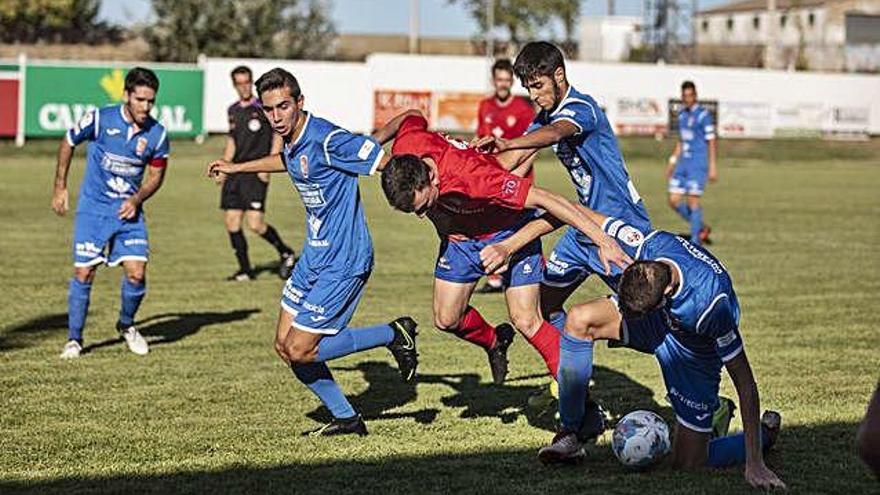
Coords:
244,195
506,116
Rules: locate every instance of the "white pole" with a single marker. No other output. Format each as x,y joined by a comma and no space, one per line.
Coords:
770,46
414,26
19,130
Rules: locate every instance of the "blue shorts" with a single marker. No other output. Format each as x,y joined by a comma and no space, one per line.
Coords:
689,178
322,305
692,374
99,238
573,259
459,261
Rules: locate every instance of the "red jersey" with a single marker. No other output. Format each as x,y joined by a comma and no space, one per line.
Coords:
509,120
478,197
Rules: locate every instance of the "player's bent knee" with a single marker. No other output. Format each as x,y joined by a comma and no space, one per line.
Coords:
85,274
447,322
526,323
579,322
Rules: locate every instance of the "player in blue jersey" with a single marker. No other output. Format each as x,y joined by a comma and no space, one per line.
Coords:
676,302
692,162
583,140
110,226
324,162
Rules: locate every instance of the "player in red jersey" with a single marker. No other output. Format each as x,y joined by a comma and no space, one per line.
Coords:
474,202
505,116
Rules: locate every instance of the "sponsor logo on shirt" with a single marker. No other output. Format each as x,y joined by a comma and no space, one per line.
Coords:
311,194
366,149
119,186
113,131
120,165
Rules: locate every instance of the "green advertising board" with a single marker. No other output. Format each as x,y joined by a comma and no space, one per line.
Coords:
56,96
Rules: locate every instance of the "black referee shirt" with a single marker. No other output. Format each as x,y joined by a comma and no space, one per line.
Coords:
250,131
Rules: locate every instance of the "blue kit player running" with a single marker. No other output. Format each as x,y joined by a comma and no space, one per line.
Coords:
324,162
110,226
676,302
583,140
692,162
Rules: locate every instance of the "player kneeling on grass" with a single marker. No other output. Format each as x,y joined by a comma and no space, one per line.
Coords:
473,202
676,302
321,295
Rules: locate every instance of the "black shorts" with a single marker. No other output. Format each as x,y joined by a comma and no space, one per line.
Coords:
243,192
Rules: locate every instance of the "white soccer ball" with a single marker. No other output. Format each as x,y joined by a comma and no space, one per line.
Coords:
640,439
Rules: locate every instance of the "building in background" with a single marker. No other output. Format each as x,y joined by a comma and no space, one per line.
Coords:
825,35
609,38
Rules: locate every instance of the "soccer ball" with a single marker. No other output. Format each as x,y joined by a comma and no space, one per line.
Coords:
640,439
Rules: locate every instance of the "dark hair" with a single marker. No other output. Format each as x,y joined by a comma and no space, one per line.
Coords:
242,69
642,286
502,64
402,177
688,85
536,59
278,78
140,76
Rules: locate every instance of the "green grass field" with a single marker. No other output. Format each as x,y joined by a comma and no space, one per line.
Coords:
211,409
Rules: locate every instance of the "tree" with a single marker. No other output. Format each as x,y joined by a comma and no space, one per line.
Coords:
522,19
54,21
243,28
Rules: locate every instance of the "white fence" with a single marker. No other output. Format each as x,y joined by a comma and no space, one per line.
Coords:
752,103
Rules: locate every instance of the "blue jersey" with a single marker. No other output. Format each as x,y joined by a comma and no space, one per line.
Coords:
695,129
703,313
593,160
324,164
117,156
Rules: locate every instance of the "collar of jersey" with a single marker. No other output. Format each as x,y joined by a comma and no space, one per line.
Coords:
562,101
680,276
129,134
301,134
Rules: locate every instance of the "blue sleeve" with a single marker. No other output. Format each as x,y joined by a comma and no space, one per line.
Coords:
581,113
535,125
163,148
708,126
352,153
86,129
720,321
628,237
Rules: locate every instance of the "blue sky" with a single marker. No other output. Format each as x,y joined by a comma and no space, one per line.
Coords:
437,17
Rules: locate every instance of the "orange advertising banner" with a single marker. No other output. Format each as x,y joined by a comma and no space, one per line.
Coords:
457,112
387,103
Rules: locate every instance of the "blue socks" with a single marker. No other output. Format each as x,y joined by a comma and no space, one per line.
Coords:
351,340
730,450
132,295
77,308
317,377
696,224
684,211
575,369
557,319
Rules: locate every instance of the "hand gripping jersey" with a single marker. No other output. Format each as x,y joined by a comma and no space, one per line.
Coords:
507,121
695,129
324,164
478,198
117,155
593,160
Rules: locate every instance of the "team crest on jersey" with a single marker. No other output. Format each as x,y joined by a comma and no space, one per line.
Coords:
254,125
630,236
511,121
304,165
141,146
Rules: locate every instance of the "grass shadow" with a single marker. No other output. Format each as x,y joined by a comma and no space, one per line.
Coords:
30,331
166,328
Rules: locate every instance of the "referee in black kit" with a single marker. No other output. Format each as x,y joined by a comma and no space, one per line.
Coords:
244,195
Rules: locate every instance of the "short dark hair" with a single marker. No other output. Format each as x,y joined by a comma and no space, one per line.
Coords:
536,59
242,69
278,78
642,286
402,177
688,85
140,76
502,64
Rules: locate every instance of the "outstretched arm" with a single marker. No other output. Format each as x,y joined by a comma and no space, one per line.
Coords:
269,163
495,256
60,198
559,207
389,130
757,473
